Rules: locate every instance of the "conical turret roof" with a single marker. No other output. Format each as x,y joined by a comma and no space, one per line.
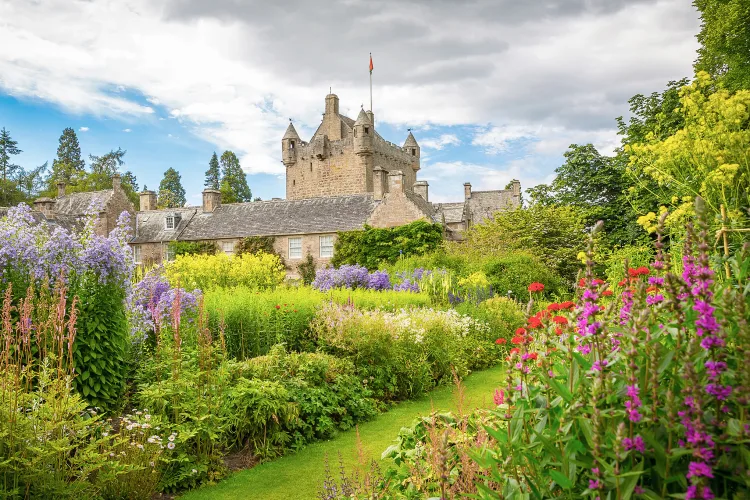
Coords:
410,140
290,133
362,118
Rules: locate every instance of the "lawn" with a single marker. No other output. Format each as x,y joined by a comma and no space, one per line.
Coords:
300,475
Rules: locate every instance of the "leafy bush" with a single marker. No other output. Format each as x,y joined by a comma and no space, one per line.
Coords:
253,320
510,274
306,270
372,246
193,247
504,316
212,271
635,256
405,353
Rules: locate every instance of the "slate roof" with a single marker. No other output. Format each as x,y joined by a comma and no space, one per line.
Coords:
273,218
150,226
68,222
78,203
484,204
453,212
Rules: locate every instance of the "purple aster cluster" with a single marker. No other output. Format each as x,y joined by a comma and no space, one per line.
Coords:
29,250
152,300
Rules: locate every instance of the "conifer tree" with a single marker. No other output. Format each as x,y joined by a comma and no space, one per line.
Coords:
213,174
8,170
68,167
234,186
171,192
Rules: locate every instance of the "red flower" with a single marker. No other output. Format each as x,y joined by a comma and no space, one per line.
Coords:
501,341
633,273
521,331
534,322
623,283
554,307
567,305
643,270
597,281
536,287
607,293
582,282
515,350
517,340
558,331
652,289
560,320
533,355
278,307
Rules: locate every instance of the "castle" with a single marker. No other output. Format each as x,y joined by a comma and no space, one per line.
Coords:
347,176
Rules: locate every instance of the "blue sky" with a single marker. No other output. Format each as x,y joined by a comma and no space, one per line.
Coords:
493,91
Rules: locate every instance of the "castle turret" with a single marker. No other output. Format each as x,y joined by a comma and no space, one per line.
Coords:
412,149
289,144
363,133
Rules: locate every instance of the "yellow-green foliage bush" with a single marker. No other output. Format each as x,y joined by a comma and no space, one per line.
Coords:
255,320
503,315
259,271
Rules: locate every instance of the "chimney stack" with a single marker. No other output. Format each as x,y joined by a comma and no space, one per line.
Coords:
60,189
211,199
117,182
467,190
420,188
46,206
396,182
147,200
378,181
515,188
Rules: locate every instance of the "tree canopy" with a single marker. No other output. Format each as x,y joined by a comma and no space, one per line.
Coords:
213,174
69,166
171,192
725,41
234,186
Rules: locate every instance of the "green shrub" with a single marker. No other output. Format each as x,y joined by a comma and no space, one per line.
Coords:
372,246
193,247
306,270
503,316
636,256
514,272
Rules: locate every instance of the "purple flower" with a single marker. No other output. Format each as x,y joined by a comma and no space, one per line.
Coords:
636,444
699,469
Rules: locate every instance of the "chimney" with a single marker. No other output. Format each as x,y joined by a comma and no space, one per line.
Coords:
371,116
515,188
396,182
147,200
117,182
420,188
60,189
467,190
46,206
211,199
378,182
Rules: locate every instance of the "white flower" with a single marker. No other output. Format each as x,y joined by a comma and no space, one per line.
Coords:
151,464
105,434
145,426
194,471
170,446
172,436
147,417
140,446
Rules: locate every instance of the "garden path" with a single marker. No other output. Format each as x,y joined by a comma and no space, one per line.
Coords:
300,475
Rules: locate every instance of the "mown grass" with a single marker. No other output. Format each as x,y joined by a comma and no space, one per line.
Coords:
300,475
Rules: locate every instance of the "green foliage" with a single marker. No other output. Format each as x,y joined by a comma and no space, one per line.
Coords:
213,174
725,41
8,170
69,166
503,315
253,321
100,345
372,246
707,156
306,270
255,244
171,192
555,234
635,256
206,272
193,247
234,188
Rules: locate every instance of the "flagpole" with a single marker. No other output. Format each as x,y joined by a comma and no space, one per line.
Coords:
371,82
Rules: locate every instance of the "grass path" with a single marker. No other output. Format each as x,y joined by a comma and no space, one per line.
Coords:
300,475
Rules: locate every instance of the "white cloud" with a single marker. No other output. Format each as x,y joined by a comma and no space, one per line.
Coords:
439,143
126,130
234,78
83,129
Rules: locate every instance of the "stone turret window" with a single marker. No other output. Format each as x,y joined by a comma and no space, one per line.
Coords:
355,131
367,130
291,144
414,151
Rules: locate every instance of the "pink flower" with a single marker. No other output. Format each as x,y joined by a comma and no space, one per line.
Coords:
499,397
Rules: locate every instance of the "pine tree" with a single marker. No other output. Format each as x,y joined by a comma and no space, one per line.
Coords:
234,186
68,167
8,170
171,192
213,174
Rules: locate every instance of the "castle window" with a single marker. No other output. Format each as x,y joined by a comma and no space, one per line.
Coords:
367,130
169,222
310,166
137,254
355,131
326,247
295,247
291,144
294,182
414,151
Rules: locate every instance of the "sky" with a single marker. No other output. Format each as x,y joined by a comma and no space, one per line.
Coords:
492,89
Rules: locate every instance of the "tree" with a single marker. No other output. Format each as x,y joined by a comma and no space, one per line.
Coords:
213,174
725,41
171,192
234,186
68,167
8,169
31,182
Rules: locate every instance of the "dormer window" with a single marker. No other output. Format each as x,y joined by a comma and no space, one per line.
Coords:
169,222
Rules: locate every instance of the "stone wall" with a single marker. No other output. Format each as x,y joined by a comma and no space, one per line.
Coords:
152,254
310,244
339,172
117,204
395,210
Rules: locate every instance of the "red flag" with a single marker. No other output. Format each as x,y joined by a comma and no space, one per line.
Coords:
371,66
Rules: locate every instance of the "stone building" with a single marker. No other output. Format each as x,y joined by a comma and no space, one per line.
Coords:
347,176
70,211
